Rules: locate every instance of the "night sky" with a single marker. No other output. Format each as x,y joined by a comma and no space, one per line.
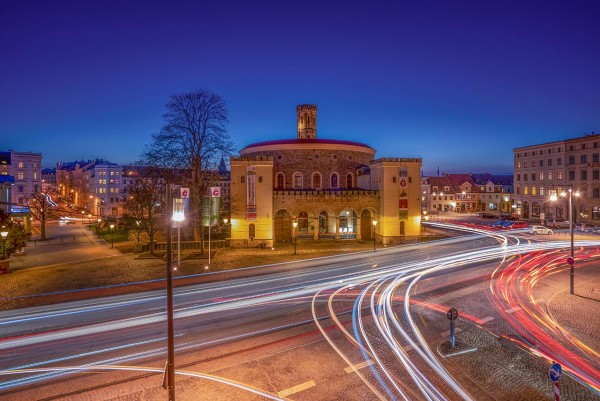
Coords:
459,84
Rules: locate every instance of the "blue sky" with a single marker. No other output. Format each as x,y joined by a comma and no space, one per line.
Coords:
457,83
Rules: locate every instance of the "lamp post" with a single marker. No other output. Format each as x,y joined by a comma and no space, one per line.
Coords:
89,218
178,216
571,261
295,240
374,224
82,214
4,235
112,244
225,221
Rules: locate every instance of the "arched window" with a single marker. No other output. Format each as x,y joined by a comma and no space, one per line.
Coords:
280,182
303,223
297,180
316,180
402,228
349,181
334,180
251,231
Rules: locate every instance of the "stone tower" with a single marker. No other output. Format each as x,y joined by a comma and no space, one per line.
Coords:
307,121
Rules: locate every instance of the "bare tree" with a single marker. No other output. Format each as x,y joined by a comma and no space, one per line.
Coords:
145,202
42,209
193,140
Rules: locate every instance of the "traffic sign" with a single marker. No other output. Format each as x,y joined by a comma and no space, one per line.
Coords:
570,261
184,192
215,192
452,314
555,372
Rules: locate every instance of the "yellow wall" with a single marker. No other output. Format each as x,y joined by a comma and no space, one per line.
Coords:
264,202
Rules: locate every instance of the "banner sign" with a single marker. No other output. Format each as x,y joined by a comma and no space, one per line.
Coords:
211,207
251,188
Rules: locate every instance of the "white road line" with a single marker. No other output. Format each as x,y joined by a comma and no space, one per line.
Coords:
447,333
512,310
364,364
297,389
486,319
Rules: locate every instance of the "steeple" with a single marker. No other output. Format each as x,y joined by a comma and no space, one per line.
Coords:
307,121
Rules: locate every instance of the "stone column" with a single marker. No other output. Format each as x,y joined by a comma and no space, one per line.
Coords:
337,227
358,229
316,228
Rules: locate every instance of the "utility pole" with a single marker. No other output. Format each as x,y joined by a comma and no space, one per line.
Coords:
170,373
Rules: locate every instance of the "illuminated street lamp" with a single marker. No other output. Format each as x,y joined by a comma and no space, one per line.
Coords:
295,224
89,218
225,221
553,197
82,214
179,216
4,235
112,235
374,224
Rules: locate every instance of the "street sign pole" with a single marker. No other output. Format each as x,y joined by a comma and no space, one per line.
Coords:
555,373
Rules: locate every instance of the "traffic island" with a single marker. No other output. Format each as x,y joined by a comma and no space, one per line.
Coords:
446,350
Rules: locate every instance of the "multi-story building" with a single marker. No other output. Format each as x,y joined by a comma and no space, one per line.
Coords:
557,167
106,183
26,169
468,193
321,189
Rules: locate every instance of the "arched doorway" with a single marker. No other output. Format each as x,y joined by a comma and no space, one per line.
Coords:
283,226
302,229
325,230
525,210
366,229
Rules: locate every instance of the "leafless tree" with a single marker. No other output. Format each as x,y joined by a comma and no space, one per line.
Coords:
42,209
193,140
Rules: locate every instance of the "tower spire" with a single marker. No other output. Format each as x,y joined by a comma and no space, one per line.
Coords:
307,121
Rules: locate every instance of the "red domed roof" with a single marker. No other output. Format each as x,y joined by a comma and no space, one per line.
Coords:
305,141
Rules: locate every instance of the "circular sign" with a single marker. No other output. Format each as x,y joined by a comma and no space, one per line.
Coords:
184,194
403,182
216,192
570,261
555,372
452,314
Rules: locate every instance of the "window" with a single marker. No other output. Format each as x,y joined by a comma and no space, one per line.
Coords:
571,159
297,180
334,180
583,174
583,159
549,175
541,191
20,188
279,181
260,178
549,162
570,147
571,175
533,163
559,161
532,176
20,164
394,179
524,164
401,228
596,212
243,179
542,176
35,176
251,231
596,193
559,175
596,174
20,176
518,190
542,163
533,191
595,158
525,190
519,164
349,181
403,214
316,180
518,177
525,176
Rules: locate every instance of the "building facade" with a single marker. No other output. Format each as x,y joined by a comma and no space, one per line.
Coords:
319,189
26,169
555,168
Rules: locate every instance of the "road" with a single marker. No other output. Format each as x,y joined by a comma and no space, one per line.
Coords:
355,327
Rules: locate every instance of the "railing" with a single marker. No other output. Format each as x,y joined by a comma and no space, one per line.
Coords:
186,245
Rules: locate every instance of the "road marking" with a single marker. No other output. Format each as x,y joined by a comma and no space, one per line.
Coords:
512,310
297,389
447,333
486,319
358,366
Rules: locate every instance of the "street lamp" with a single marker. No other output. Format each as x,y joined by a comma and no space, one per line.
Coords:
225,221
295,224
89,218
4,235
112,235
82,213
374,224
553,197
179,216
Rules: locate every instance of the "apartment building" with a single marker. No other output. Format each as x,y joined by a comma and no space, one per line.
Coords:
26,169
555,168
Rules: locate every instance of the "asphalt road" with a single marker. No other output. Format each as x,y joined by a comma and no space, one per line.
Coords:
292,335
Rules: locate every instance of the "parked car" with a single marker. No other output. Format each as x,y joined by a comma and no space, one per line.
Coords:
585,228
541,230
499,224
513,225
558,222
